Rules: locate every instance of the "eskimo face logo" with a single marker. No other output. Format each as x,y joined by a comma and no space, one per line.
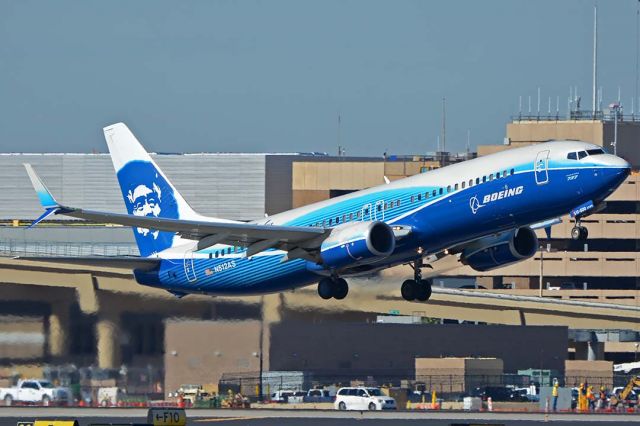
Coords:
475,205
146,201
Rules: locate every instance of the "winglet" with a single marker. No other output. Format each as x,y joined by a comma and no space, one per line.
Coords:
46,199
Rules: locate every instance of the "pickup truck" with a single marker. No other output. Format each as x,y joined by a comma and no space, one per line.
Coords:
35,391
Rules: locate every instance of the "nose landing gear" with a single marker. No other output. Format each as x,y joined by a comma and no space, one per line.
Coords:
417,288
333,287
579,232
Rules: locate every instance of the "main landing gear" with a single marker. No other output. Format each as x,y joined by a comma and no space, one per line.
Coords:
333,287
417,288
579,232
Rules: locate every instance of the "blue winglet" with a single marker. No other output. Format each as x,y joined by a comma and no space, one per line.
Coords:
46,199
43,216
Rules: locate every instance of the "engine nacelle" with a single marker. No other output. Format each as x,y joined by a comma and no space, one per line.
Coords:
357,243
501,250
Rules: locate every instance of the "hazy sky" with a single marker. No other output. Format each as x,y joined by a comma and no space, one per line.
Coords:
251,75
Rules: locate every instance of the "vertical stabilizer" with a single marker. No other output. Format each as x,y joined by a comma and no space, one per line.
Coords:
145,189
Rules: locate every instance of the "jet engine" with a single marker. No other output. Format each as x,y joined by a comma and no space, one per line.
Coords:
357,243
500,250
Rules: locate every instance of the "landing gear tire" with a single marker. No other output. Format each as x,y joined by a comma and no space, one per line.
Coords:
408,290
340,288
579,233
423,290
336,288
325,288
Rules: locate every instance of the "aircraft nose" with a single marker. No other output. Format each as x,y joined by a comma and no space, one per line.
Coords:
616,161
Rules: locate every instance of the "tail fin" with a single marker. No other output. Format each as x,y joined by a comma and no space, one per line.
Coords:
145,189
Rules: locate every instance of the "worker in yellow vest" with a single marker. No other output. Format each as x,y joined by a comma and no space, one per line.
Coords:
582,398
554,394
591,398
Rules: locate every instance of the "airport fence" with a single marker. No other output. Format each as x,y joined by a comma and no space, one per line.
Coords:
15,248
450,386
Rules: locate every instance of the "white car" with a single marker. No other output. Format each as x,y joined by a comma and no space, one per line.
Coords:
35,391
363,399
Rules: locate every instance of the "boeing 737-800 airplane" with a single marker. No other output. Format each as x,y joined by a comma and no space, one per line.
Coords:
483,211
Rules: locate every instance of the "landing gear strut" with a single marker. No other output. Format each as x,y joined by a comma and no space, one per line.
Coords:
333,287
417,288
579,232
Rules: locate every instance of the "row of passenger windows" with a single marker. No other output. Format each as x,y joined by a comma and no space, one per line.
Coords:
579,155
221,253
419,197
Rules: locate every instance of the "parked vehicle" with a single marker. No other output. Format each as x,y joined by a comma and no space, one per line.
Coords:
287,396
363,399
35,391
496,393
318,395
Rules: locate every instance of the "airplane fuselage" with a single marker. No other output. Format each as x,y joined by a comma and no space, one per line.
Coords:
441,209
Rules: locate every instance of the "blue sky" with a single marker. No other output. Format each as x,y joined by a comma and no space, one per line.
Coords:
256,76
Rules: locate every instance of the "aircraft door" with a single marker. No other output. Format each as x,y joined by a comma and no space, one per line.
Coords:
189,267
541,167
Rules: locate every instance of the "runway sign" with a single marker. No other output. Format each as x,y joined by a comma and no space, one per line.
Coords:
167,417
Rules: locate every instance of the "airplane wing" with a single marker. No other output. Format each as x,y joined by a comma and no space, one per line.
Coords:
124,262
255,238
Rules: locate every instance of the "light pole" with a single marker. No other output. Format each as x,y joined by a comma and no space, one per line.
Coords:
616,111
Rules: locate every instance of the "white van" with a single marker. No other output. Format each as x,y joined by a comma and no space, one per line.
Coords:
363,399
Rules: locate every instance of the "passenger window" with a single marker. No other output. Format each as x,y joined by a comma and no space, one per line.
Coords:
229,250
426,195
448,188
582,154
513,171
463,184
470,182
455,187
358,214
484,179
350,216
498,175
412,198
337,220
344,217
572,156
434,193
505,174
419,197
441,191
398,203
330,222
362,393
491,177
379,207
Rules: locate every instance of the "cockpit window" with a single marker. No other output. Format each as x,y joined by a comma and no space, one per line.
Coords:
572,156
596,151
582,154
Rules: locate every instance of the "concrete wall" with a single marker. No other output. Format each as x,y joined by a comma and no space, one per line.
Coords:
201,351
353,349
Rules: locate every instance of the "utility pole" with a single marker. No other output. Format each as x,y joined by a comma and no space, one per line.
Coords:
594,105
541,268
444,124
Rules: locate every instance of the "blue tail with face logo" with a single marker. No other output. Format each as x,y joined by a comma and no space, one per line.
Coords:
145,189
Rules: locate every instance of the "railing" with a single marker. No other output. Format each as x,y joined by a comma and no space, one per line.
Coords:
14,248
575,116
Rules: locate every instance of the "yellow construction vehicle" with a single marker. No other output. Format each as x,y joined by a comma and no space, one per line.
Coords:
624,393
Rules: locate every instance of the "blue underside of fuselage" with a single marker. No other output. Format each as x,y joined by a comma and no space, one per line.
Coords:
437,223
